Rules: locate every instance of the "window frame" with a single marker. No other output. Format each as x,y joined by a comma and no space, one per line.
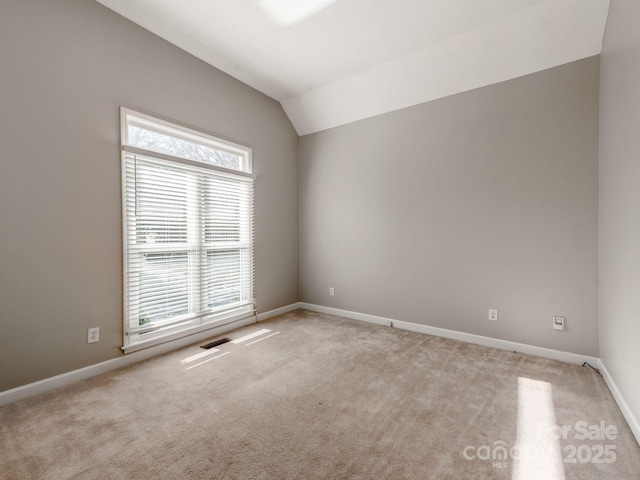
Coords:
184,133
201,319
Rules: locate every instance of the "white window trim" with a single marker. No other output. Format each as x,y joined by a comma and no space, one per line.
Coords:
211,319
128,116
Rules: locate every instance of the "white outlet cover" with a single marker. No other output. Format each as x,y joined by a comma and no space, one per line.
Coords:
93,335
493,314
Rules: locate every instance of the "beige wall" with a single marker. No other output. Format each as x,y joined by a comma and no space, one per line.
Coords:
65,69
620,201
438,212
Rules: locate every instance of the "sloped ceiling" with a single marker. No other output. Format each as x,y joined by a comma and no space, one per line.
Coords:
354,59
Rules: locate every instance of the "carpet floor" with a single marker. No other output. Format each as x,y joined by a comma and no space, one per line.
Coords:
314,396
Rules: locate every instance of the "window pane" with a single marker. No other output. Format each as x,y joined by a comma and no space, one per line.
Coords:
222,211
161,203
164,286
160,142
224,278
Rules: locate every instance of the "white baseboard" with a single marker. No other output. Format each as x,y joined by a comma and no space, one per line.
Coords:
543,352
634,425
42,386
278,311
455,335
364,317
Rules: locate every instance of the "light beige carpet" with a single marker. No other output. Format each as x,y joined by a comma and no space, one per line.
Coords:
321,397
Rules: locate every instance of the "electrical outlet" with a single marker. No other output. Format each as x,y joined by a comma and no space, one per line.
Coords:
331,291
558,322
493,314
94,335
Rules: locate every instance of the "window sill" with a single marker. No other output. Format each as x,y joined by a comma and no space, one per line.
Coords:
236,321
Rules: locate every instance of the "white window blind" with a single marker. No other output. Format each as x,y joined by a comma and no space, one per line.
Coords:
188,231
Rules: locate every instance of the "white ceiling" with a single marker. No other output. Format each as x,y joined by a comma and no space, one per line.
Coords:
354,59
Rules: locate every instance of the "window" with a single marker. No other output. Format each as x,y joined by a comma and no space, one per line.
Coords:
188,231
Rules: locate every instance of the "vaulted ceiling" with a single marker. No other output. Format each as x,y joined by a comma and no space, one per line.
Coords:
339,61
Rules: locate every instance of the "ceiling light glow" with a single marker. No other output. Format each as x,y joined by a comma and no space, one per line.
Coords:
288,12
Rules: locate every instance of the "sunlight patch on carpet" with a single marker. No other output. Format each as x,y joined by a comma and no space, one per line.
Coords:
250,336
207,361
537,453
260,339
198,356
